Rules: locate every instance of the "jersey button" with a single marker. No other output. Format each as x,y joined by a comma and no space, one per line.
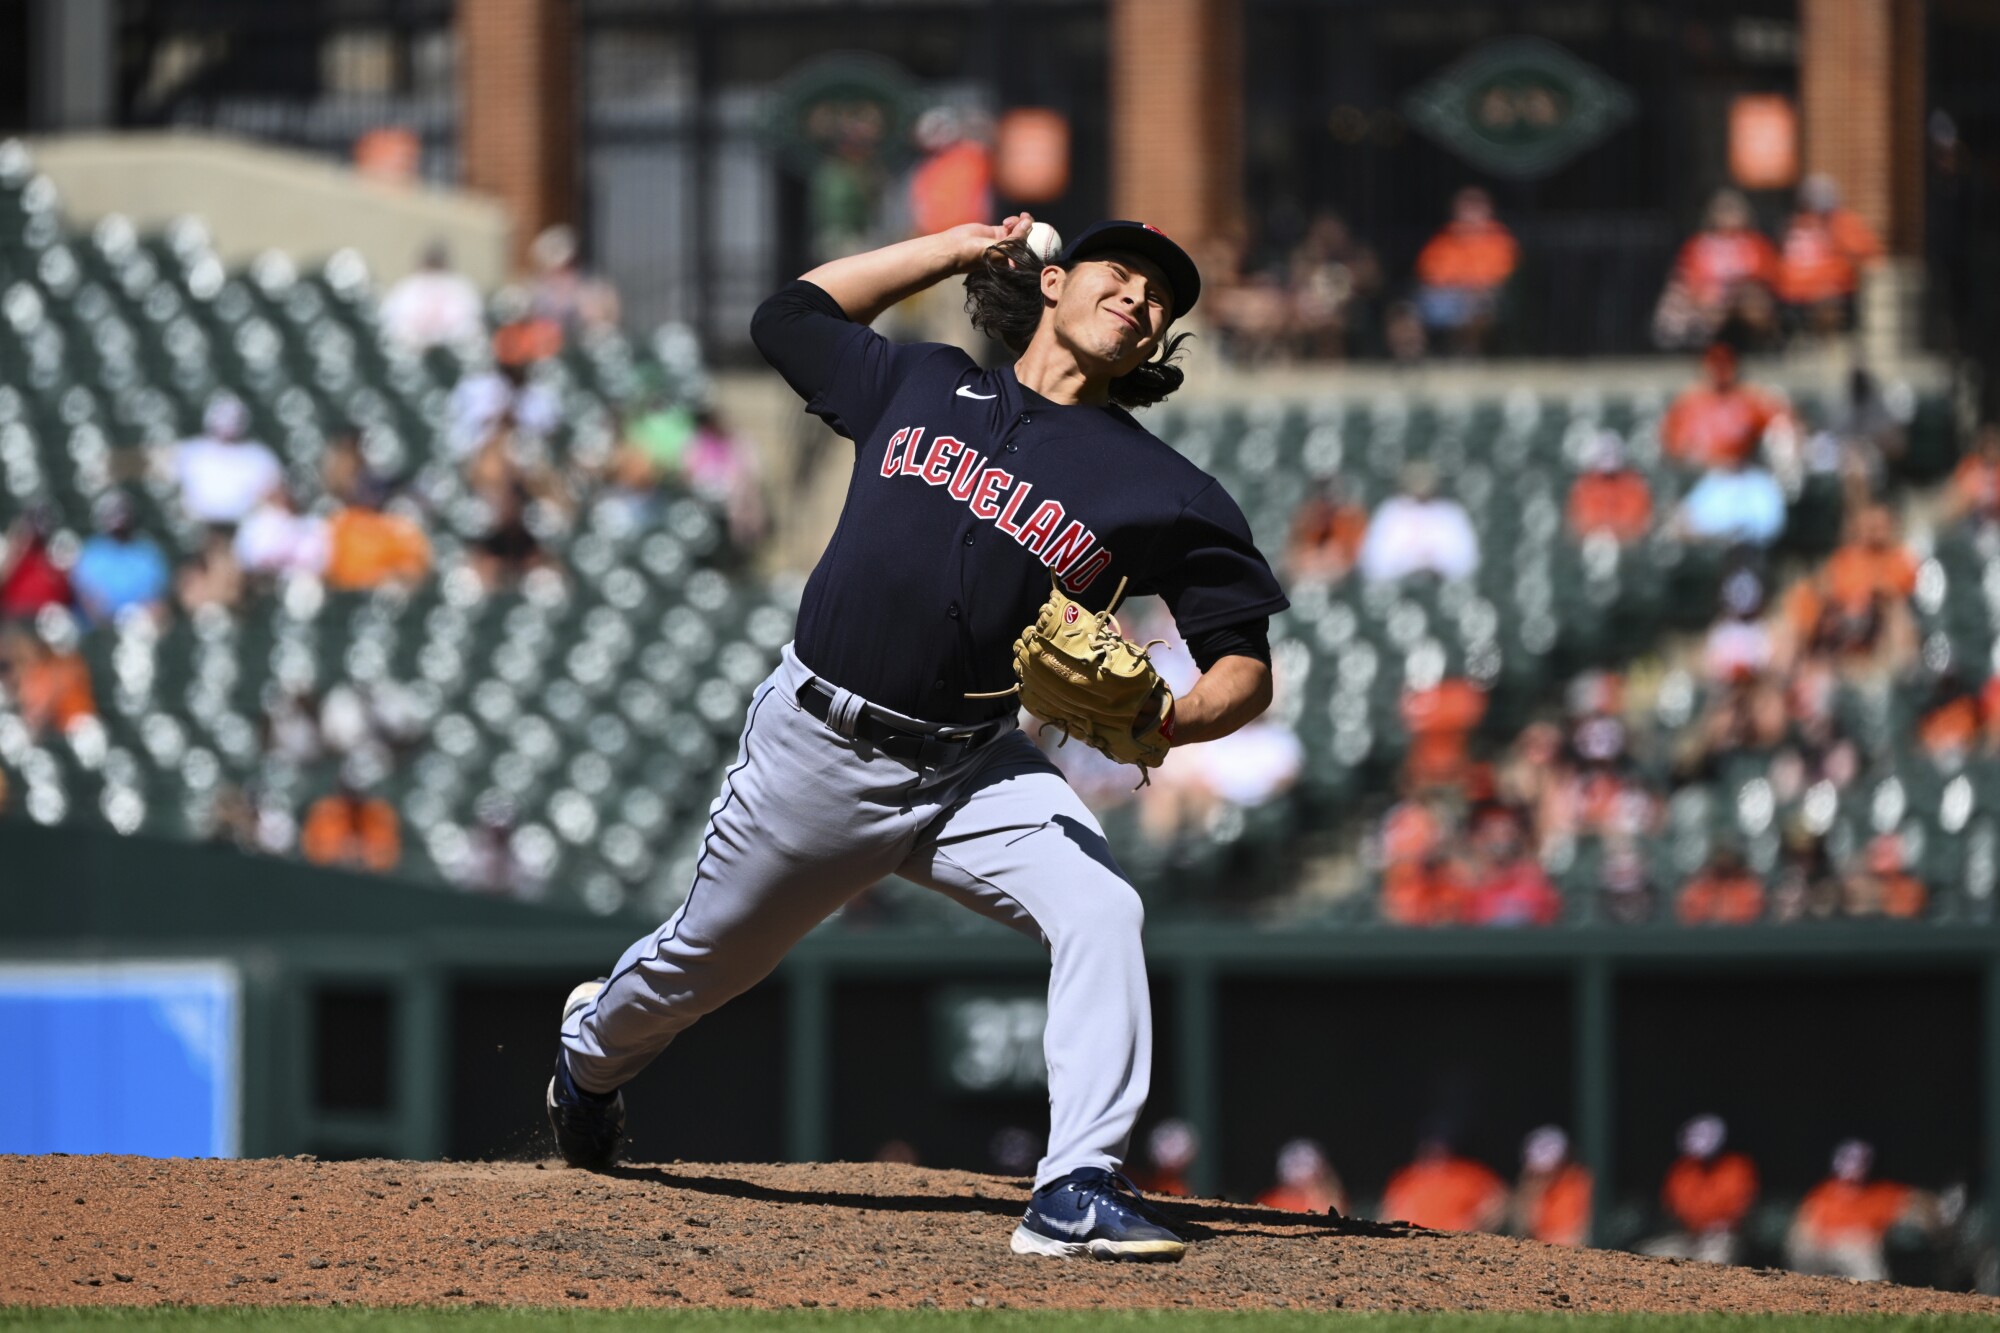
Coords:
938,684
968,539
952,611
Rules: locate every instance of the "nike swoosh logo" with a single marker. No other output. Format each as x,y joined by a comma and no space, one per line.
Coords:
964,392
1082,1226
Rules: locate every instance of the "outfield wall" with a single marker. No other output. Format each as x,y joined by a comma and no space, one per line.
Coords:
387,1019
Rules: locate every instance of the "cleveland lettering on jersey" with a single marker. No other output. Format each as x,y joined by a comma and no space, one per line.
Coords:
982,489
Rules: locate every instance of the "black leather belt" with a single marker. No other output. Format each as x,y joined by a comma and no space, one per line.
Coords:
925,748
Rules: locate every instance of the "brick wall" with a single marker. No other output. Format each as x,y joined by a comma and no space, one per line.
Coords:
518,119
1861,86
1177,115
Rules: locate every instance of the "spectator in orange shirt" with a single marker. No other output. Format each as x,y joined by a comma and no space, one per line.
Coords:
1421,882
1307,1182
367,547
1170,1150
347,827
1441,715
1857,604
1872,565
1462,269
1880,886
47,677
1326,535
1720,420
1819,264
1608,496
1953,720
1973,494
1509,887
1722,277
1842,1222
1724,893
1445,1193
1707,1194
1552,1197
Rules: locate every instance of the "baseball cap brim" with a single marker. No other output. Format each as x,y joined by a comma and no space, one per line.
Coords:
1147,242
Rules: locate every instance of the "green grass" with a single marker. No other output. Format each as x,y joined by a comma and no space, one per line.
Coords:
422,1319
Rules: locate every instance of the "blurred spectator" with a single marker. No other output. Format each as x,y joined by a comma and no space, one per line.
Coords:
120,568
1824,249
1333,277
1307,1182
1403,333
1627,897
291,724
1806,886
348,827
1247,768
1721,280
1748,714
1445,1193
1417,532
210,577
342,469
30,575
1326,535
1724,892
1735,503
559,290
44,674
1720,419
1879,886
721,467
1441,715
1739,645
367,548
1422,883
434,305
1171,1149
1706,1195
1973,494
954,182
1867,437
1608,496
1509,886
232,820
1843,1221
1551,1200
1461,272
500,400
509,548
1953,720
1857,604
276,539
222,475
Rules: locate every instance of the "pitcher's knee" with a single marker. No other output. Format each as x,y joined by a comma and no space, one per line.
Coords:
1106,908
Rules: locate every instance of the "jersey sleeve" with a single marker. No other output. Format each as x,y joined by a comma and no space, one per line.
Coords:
846,372
1208,569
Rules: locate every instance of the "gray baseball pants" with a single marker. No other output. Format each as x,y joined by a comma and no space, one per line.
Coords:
808,817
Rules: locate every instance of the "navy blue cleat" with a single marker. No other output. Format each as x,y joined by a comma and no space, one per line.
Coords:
589,1126
1097,1214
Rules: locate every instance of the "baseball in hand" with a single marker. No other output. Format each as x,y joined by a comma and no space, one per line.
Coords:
1044,241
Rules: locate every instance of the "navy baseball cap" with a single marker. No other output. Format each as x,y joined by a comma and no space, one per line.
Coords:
1146,241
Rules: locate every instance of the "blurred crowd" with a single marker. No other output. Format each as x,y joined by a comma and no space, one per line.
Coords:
1600,784
240,529
1329,296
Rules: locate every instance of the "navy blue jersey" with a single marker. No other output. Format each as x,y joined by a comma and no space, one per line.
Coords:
968,491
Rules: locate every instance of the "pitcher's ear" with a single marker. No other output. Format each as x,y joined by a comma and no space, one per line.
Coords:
1054,276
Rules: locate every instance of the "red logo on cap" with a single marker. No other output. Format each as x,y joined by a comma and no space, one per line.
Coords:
1150,227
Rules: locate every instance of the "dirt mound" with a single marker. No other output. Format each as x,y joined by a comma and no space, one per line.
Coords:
136,1231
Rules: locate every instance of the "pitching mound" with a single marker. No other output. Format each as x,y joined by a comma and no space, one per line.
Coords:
139,1231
